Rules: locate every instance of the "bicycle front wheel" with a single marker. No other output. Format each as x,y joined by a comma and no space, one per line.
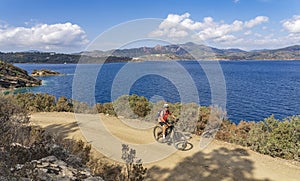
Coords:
158,134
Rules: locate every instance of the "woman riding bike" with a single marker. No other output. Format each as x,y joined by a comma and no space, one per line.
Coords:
163,119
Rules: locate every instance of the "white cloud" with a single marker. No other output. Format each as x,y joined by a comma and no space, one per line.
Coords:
256,21
225,38
174,33
239,34
249,32
190,24
258,35
207,29
216,30
43,36
173,19
293,24
236,1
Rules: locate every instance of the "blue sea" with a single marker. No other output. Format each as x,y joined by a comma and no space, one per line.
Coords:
247,90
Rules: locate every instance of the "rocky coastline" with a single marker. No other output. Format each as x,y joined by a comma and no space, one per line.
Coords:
14,77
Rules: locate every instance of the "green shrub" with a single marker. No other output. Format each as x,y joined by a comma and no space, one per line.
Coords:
139,105
109,109
44,102
26,101
276,138
63,105
36,102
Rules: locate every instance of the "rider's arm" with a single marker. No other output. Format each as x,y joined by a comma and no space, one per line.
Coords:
162,116
174,117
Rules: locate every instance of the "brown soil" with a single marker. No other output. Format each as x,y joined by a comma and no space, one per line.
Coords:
218,161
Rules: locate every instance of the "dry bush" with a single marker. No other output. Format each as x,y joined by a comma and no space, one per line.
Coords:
122,107
11,117
134,167
210,120
188,117
154,108
278,138
82,107
100,108
204,113
63,105
132,170
109,172
226,131
109,109
36,102
106,108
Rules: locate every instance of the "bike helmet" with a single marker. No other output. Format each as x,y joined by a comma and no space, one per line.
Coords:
166,105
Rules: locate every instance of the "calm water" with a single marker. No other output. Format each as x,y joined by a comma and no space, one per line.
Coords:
253,89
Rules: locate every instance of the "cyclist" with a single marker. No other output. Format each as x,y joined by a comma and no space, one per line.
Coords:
163,119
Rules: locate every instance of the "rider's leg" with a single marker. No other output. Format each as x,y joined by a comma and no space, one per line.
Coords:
164,130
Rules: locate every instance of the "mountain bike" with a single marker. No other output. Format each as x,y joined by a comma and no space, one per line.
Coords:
179,139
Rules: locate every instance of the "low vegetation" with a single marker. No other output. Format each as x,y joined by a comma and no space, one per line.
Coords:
27,151
277,138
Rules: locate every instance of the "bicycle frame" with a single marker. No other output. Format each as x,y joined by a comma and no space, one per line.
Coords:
178,138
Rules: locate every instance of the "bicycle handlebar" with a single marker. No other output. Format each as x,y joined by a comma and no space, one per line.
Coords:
174,122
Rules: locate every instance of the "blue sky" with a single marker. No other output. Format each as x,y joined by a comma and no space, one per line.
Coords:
70,25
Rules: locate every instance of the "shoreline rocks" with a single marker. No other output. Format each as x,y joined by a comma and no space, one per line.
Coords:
44,72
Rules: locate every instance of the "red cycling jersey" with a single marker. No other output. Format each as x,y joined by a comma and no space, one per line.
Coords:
165,114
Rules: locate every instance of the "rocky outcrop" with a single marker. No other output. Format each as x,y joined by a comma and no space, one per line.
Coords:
15,77
52,169
44,72
42,161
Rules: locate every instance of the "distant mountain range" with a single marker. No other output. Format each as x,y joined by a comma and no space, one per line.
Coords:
187,51
192,51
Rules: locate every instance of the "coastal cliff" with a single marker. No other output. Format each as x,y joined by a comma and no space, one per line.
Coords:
14,77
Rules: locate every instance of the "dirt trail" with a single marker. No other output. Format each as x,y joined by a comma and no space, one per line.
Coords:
218,161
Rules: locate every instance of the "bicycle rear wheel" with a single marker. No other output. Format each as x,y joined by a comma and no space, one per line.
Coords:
180,145
158,134
180,141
